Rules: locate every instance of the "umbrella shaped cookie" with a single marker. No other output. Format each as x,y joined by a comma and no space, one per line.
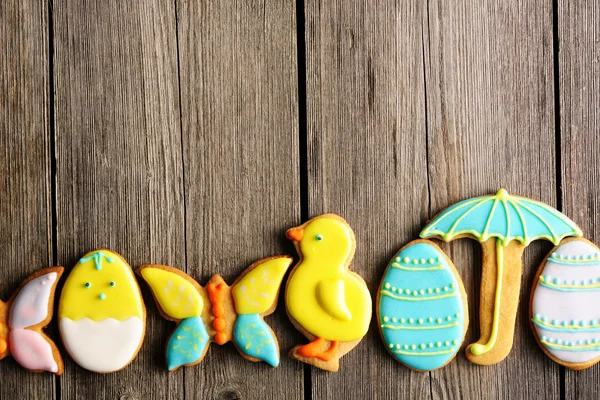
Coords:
504,225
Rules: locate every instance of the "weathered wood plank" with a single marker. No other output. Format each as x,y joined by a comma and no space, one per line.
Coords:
367,159
25,192
240,129
491,125
579,84
119,163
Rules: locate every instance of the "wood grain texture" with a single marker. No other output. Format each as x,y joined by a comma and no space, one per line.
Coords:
579,83
367,159
119,164
25,192
240,129
491,125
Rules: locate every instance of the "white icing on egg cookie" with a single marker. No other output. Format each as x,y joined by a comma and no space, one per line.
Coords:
564,304
103,346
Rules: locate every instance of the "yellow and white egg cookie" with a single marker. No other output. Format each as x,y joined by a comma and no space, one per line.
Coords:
102,318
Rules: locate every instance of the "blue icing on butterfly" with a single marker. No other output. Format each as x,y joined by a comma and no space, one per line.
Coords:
187,344
254,338
421,310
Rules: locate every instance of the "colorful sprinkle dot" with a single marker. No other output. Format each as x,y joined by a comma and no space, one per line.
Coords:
437,289
410,320
391,345
455,341
430,319
415,261
448,318
420,321
445,288
394,319
397,259
422,345
387,285
413,347
438,344
405,347
385,319
402,320
398,346
429,290
431,261
87,285
439,320
102,296
430,345
421,291
446,343
423,261
406,260
452,285
415,293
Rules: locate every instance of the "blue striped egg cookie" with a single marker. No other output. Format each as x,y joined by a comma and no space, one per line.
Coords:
422,308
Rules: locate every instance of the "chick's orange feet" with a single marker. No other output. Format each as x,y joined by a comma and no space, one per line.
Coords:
315,349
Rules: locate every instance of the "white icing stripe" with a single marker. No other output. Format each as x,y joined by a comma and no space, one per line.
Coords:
103,346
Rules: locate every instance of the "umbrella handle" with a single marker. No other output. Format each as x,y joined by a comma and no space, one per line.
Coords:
478,348
500,286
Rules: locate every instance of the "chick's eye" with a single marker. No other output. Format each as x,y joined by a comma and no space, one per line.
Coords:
319,237
87,285
112,283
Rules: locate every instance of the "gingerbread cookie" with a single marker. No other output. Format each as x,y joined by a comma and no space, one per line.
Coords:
102,318
22,319
218,313
325,301
504,225
422,309
564,304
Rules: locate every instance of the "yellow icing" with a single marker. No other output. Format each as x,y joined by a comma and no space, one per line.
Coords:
327,246
177,297
330,295
101,300
256,292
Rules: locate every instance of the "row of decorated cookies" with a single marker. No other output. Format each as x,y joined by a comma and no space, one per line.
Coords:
421,302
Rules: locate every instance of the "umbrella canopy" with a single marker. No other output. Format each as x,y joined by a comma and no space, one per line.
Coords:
504,217
504,225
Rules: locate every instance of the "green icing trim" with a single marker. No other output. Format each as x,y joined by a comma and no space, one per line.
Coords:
418,327
424,353
430,268
593,345
569,287
452,293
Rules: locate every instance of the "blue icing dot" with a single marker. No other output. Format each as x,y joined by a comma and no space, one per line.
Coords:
187,343
430,312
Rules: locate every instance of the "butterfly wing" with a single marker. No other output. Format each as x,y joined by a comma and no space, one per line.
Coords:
31,310
173,291
188,343
254,338
255,292
255,295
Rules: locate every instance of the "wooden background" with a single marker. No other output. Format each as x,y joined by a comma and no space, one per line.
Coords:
193,133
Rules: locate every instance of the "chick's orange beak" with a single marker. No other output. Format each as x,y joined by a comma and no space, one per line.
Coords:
295,234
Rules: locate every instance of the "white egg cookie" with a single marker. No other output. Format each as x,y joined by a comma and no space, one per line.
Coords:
102,318
564,304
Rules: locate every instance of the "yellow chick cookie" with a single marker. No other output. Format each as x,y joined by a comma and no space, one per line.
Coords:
328,303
